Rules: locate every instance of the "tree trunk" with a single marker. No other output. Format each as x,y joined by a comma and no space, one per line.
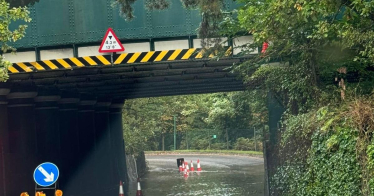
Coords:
163,142
265,150
227,139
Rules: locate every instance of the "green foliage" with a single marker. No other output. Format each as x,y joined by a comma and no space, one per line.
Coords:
218,146
331,161
309,41
148,122
247,144
9,15
331,169
243,144
319,64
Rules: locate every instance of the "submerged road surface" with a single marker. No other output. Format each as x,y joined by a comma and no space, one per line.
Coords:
221,175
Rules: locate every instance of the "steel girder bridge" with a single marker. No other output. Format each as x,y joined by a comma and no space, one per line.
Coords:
63,101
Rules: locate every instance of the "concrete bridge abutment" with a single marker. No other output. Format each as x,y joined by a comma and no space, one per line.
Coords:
118,144
4,91
78,132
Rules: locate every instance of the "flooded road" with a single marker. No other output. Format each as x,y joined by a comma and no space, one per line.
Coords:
221,175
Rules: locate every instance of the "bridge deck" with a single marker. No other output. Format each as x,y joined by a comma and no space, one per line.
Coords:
133,75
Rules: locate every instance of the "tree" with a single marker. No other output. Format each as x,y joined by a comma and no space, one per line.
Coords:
319,64
312,41
9,15
148,121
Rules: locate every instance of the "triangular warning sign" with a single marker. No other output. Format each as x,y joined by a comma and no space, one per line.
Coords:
109,44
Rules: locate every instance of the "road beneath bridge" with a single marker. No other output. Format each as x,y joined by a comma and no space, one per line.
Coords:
221,175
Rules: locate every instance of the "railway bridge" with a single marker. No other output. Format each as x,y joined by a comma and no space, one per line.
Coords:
63,101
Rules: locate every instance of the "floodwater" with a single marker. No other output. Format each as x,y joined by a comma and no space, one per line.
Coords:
221,175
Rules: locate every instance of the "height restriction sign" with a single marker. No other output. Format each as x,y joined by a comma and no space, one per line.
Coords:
111,43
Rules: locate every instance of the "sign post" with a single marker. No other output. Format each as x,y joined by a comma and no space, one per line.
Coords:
111,44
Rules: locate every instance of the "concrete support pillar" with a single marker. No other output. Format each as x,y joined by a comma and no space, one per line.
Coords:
22,140
117,141
86,131
103,150
4,152
69,141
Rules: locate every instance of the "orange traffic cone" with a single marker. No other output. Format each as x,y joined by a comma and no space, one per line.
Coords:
139,191
198,165
185,173
192,169
187,167
121,193
180,168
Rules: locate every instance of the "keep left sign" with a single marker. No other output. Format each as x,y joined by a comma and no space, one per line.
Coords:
46,174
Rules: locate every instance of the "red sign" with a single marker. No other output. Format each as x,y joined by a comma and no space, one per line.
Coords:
111,43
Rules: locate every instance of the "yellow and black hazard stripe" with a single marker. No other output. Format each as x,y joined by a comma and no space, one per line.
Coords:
67,63
125,58
166,55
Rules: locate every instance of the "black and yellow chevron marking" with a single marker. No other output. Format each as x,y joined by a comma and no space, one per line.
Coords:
67,63
166,55
125,58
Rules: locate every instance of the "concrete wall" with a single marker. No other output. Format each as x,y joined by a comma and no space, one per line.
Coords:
81,134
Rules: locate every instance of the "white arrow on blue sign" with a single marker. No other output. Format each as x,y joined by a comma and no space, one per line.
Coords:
46,174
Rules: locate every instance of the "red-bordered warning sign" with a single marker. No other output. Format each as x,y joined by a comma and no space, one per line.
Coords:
111,43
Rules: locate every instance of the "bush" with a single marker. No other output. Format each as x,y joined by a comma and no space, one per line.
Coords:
218,146
247,144
243,144
201,144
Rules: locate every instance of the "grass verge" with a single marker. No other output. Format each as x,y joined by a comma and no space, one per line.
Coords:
220,152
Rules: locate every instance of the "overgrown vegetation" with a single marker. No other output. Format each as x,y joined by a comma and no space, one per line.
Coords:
9,15
319,66
332,156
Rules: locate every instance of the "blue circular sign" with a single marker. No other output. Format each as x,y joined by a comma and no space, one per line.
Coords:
46,174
